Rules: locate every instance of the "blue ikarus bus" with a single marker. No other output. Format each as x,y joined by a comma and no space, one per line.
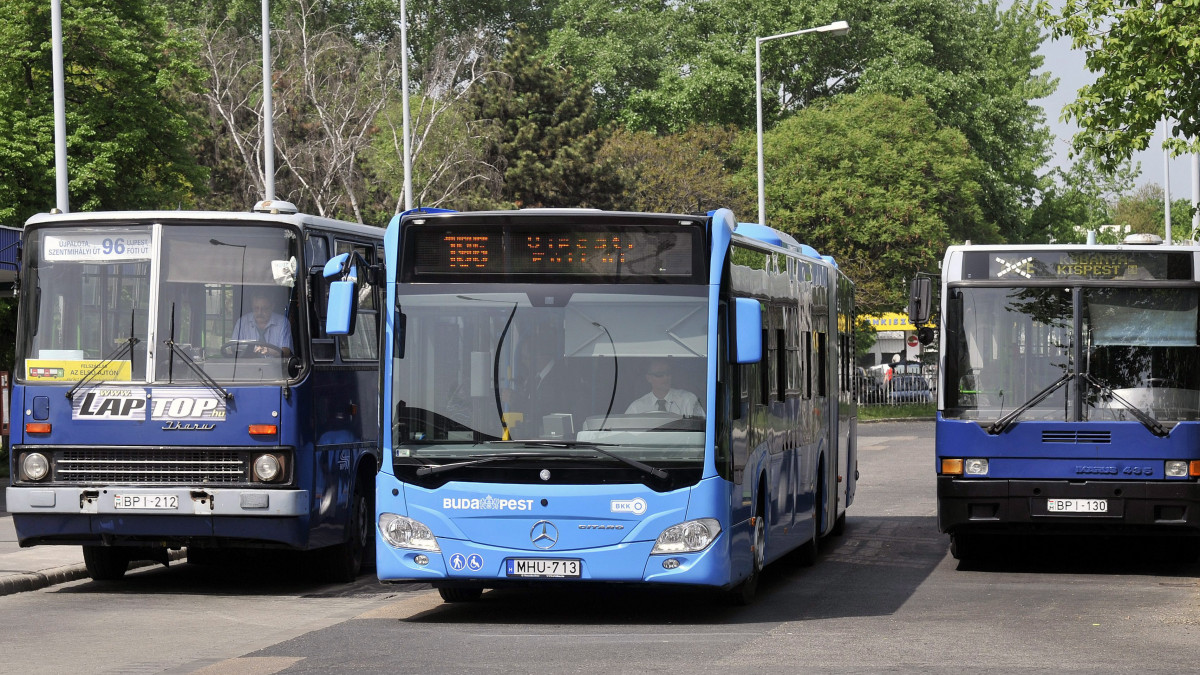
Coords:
1069,393
579,396
175,388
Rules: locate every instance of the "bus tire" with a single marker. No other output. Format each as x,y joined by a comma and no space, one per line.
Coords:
460,593
964,546
105,563
743,594
839,525
345,560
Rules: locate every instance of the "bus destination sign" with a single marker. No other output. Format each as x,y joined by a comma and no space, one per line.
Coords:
1018,266
611,252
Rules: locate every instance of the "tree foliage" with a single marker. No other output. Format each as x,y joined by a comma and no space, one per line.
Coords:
875,181
690,172
129,137
548,137
1144,55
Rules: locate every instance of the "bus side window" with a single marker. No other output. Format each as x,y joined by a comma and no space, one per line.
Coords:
363,344
316,251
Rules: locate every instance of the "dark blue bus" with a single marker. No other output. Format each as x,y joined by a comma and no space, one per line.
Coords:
1069,389
175,388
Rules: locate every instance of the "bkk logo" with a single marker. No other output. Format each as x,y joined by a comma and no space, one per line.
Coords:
488,503
635,506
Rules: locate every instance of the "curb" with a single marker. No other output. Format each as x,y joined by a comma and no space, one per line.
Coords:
33,581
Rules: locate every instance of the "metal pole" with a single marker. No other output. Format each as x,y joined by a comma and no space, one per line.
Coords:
268,107
1167,181
408,187
762,199
60,110
836,28
1195,196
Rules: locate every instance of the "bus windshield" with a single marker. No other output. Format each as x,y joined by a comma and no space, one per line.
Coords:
161,304
1138,350
550,366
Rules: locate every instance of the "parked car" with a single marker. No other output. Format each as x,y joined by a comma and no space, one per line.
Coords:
909,389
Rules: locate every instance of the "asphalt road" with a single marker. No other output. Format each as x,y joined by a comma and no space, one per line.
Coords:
884,597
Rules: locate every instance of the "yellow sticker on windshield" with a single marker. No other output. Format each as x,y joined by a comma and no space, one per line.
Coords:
59,370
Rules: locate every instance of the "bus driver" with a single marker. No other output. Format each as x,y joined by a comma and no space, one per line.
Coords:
662,397
265,326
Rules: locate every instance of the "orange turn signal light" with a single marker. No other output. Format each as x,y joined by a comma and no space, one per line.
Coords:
264,429
952,467
1194,468
37,427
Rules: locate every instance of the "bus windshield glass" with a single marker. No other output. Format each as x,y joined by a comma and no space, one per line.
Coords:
485,368
1137,348
155,303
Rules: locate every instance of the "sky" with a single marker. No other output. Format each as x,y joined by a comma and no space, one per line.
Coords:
1068,66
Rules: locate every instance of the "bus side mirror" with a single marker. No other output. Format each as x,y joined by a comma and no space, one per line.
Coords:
342,310
748,322
919,297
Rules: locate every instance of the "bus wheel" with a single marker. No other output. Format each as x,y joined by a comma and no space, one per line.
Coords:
964,546
743,593
105,563
346,559
460,593
839,525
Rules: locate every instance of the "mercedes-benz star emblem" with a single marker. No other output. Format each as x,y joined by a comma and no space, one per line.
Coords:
544,534
545,474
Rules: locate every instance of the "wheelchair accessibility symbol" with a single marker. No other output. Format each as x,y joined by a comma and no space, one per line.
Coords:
475,562
458,561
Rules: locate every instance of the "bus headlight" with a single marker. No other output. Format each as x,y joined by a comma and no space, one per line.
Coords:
268,468
975,467
34,466
1176,468
687,537
401,532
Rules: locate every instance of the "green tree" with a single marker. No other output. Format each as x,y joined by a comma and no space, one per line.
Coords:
877,183
548,138
128,136
680,173
1143,212
1075,201
975,64
1144,55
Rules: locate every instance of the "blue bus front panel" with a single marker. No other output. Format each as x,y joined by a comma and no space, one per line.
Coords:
103,468
1073,477
491,534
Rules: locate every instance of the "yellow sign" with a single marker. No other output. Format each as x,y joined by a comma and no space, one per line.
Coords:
59,370
890,321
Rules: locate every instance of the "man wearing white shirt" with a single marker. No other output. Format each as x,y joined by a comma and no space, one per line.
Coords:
664,398
264,325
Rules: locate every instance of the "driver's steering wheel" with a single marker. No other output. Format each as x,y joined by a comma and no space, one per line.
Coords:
247,347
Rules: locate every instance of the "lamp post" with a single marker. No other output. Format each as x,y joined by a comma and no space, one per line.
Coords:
836,28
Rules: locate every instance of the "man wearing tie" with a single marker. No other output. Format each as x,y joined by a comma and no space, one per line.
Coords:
664,398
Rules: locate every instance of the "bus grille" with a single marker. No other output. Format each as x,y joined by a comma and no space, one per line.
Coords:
1072,436
192,466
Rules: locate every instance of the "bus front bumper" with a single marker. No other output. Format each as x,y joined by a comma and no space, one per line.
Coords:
1130,507
75,515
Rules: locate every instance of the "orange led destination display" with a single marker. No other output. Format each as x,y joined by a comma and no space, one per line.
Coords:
613,253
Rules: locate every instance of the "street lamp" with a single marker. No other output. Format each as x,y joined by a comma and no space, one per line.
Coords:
836,28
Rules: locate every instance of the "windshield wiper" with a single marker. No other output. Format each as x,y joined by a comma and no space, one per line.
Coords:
1142,416
1003,423
176,350
430,469
126,346
646,468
